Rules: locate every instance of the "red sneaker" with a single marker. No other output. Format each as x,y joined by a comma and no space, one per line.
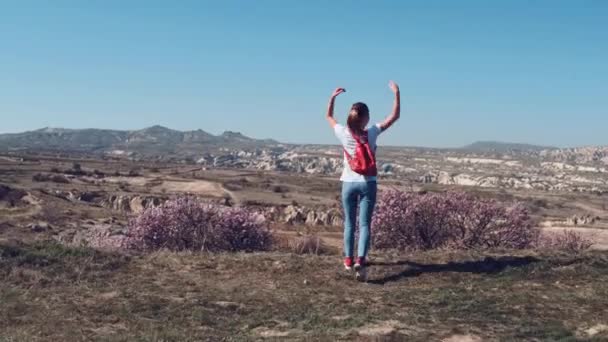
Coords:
360,270
348,263
360,263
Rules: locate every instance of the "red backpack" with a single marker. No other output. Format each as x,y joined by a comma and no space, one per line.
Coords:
363,161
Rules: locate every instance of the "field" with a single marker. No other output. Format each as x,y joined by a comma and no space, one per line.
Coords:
54,289
53,293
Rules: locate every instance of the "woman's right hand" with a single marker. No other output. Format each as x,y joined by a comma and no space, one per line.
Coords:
394,87
337,92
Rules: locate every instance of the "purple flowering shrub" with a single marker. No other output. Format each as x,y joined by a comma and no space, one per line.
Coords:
411,221
566,240
187,223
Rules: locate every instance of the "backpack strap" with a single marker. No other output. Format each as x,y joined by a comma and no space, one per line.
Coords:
357,138
348,156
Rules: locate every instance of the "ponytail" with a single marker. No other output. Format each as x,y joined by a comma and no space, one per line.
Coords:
359,113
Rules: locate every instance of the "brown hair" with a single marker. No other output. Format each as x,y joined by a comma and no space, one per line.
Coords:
359,113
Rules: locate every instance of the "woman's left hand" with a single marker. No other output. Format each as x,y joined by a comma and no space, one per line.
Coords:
337,92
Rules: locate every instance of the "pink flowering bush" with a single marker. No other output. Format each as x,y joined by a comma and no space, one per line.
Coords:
412,221
187,223
566,240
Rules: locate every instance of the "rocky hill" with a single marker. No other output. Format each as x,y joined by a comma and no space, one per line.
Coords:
497,146
482,164
151,140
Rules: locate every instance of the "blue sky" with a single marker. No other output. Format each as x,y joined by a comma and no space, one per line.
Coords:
520,71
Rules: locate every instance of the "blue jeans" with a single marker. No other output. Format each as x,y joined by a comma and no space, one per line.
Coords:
362,195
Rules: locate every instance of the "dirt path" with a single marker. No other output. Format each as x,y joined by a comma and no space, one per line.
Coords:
176,184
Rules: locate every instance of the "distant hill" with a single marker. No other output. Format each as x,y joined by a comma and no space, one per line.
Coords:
150,140
497,146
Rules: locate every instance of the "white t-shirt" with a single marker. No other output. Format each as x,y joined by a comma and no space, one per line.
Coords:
350,144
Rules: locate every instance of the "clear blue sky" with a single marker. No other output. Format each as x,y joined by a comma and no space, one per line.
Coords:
520,71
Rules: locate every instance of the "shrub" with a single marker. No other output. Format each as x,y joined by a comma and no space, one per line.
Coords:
77,172
124,186
133,173
99,174
309,244
567,240
186,223
40,177
49,214
59,179
280,189
411,221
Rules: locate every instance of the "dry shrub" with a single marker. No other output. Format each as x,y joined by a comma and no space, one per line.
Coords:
280,189
133,173
40,177
309,244
49,214
59,179
567,240
11,195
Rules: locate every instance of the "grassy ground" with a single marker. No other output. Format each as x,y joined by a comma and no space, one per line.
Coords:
53,293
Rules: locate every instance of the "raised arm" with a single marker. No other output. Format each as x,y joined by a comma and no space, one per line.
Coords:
330,106
390,120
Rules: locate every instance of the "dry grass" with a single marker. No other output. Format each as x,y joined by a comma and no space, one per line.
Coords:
52,293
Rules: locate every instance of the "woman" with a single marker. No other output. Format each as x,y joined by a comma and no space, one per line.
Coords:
359,188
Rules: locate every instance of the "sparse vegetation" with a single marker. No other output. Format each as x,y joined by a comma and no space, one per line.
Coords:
10,195
134,173
308,244
280,189
124,186
53,293
49,215
99,174
42,177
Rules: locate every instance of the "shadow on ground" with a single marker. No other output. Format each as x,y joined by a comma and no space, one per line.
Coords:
488,265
